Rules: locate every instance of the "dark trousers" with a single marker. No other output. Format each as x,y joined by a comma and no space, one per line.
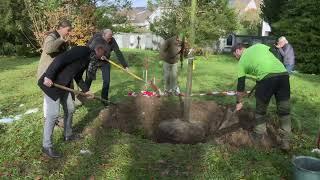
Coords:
278,86
105,69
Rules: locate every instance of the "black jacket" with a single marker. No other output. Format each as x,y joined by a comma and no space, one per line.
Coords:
66,67
111,46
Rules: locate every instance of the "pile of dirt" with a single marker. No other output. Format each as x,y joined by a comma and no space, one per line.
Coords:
161,120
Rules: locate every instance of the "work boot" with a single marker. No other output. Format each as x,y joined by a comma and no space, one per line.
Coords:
285,140
285,123
255,137
105,104
260,140
285,132
51,152
259,131
73,137
260,128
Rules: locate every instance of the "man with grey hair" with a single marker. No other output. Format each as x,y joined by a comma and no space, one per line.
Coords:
111,45
287,53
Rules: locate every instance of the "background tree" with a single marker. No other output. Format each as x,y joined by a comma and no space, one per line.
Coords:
25,23
15,34
249,19
298,21
166,26
214,19
250,22
150,5
46,15
271,10
108,16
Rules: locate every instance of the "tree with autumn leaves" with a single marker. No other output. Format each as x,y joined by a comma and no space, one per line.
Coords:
45,16
25,23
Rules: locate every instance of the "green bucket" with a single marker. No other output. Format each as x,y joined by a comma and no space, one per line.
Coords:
306,168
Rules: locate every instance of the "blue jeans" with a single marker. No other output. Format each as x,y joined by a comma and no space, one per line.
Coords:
289,68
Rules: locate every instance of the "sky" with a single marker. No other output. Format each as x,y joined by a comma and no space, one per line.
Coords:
135,3
139,3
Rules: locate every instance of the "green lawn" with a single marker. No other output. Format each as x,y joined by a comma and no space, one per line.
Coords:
117,155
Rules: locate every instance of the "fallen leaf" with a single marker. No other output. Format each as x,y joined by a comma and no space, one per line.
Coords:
38,178
106,165
189,167
165,172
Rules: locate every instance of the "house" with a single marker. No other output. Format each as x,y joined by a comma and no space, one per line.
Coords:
157,13
138,17
142,17
225,44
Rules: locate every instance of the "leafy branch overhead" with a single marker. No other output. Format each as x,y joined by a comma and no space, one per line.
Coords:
213,20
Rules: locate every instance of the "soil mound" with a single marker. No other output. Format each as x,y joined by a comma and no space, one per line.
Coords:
161,119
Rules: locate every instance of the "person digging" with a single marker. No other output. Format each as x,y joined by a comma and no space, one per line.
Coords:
170,51
106,36
272,80
65,67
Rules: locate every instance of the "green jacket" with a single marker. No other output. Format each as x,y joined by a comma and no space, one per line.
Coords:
170,50
53,45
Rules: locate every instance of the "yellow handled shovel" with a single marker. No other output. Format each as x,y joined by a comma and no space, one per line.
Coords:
152,85
118,66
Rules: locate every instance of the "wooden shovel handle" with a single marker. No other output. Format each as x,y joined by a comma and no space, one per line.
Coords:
77,92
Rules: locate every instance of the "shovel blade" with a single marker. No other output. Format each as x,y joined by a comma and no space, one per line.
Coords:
230,119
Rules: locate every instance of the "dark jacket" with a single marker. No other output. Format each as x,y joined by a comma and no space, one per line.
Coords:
111,46
66,67
170,50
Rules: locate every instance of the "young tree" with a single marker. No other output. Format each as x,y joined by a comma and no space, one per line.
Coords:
214,19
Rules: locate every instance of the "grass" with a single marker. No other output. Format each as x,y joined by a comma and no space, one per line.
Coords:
117,155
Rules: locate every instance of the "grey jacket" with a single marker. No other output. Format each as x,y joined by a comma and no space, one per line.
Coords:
287,53
52,46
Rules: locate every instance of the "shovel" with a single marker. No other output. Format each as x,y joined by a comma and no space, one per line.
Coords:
152,85
228,119
79,92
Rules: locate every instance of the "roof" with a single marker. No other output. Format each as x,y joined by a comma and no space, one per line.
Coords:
137,14
245,5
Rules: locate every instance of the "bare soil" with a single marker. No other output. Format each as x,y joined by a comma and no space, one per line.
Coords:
161,120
